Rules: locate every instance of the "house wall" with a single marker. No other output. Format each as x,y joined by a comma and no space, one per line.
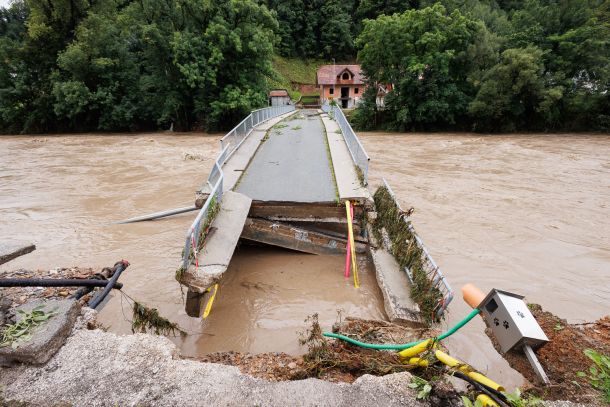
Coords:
325,94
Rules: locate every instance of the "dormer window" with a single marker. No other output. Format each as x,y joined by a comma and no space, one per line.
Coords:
345,76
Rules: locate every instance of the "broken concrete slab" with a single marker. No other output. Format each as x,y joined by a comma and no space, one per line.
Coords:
218,248
96,368
10,250
396,289
47,338
295,238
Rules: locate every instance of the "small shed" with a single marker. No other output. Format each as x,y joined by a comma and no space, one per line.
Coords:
279,97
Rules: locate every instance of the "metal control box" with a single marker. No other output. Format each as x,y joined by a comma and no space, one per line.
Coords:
511,321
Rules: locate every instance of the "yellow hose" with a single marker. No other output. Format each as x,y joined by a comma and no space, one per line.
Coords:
417,349
486,401
419,362
468,370
350,230
208,307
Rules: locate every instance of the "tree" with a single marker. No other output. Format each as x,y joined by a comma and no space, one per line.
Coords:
515,94
425,55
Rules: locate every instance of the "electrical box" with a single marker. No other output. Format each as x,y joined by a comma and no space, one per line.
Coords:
511,321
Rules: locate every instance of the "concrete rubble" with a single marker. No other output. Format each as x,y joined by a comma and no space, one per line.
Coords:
47,338
96,368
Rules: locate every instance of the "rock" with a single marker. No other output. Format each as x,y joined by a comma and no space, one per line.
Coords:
292,365
47,338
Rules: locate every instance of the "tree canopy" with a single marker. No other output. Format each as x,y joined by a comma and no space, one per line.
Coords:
488,65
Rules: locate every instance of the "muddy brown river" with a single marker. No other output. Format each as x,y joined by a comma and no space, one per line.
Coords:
527,214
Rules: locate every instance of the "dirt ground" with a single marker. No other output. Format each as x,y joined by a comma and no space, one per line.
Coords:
562,357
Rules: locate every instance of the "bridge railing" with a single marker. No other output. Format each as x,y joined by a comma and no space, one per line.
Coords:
238,134
435,276
357,151
228,144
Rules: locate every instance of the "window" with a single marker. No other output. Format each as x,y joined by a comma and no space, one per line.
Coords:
345,76
356,90
332,91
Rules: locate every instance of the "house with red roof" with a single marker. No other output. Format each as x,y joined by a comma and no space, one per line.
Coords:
341,83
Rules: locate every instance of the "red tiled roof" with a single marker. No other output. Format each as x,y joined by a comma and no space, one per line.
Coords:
327,74
278,92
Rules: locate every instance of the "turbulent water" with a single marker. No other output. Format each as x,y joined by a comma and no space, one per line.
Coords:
65,193
523,213
527,214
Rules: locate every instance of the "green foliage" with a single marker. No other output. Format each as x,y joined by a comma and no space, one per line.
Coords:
468,403
13,334
515,93
422,386
599,372
516,399
427,55
126,65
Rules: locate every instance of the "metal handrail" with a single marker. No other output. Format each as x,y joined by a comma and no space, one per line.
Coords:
436,277
228,145
357,151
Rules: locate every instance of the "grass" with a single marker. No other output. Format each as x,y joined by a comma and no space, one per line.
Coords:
294,70
13,334
407,253
599,372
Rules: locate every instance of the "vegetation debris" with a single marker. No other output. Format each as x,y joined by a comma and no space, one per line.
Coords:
21,331
407,252
145,320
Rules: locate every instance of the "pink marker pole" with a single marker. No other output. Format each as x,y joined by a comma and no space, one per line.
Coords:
348,256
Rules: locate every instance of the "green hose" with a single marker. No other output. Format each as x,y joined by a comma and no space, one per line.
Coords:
450,332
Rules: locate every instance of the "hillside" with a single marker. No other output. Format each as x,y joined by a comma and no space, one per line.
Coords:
292,72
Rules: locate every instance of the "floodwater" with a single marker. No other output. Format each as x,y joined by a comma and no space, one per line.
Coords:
528,214
524,213
65,193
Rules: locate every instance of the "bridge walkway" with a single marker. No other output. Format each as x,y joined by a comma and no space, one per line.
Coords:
292,164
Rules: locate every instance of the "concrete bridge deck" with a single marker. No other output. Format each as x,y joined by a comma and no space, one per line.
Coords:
285,185
293,163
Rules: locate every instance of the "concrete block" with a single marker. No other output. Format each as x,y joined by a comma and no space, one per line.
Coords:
48,337
396,289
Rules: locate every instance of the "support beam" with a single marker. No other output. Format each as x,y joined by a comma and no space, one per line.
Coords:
295,238
12,250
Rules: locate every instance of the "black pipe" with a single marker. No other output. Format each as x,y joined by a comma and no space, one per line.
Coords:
495,395
55,282
118,267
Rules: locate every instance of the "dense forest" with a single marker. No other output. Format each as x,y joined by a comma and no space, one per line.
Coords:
487,65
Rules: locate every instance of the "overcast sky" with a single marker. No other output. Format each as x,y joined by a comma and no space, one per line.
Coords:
4,3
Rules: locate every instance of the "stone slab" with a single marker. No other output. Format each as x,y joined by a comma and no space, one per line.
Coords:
48,337
348,183
218,248
10,250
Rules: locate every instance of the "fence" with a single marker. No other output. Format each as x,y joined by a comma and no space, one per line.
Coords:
235,137
436,278
228,144
359,155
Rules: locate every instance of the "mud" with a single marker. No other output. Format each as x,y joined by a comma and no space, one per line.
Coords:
524,213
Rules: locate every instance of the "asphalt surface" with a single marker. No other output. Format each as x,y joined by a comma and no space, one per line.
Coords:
292,164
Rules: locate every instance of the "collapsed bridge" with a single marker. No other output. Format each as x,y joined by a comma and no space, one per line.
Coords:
297,179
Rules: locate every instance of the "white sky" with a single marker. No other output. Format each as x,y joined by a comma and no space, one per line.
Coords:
4,3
